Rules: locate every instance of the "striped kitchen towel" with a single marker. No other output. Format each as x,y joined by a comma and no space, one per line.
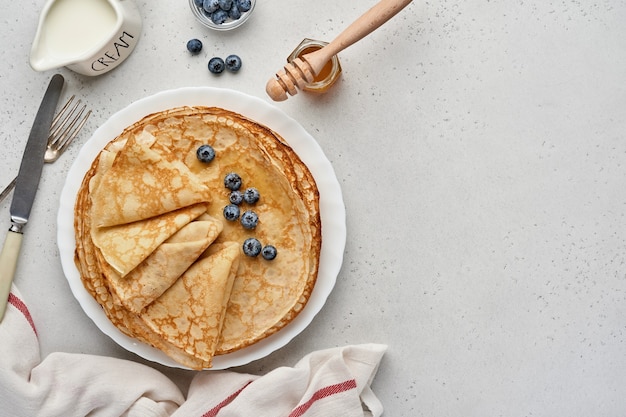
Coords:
332,382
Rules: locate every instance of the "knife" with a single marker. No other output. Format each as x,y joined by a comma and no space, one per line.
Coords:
26,186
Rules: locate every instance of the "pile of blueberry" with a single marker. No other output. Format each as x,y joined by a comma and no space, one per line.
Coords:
222,11
249,219
252,247
232,63
217,65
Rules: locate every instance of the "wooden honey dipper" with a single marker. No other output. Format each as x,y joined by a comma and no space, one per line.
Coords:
303,70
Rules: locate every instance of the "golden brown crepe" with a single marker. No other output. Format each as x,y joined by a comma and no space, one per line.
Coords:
190,314
86,260
125,246
141,184
266,295
164,266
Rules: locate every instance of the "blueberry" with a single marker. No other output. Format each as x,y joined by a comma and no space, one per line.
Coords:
210,6
252,247
235,197
225,4
198,3
219,16
216,65
233,63
251,195
194,46
232,181
249,219
231,212
205,153
234,12
244,5
269,252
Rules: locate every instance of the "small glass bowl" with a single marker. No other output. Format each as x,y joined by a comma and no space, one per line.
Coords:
229,24
328,75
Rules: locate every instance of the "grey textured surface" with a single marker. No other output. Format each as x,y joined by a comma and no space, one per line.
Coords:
481,150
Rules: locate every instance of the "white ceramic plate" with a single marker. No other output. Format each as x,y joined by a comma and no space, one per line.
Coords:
332,211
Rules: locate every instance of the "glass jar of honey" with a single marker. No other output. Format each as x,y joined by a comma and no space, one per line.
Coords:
329,73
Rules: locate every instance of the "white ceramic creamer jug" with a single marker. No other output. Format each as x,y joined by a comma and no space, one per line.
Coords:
89,37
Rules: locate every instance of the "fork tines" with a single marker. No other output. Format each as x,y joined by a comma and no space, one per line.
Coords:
67,122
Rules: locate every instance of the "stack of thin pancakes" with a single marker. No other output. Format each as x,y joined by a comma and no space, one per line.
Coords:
153,247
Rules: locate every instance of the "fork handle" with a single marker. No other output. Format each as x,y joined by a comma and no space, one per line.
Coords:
7,190
8,264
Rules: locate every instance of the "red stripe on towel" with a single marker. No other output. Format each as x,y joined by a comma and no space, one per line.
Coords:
21,306
323,393
213,412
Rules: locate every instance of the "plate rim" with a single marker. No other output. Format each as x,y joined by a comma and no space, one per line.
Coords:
332,212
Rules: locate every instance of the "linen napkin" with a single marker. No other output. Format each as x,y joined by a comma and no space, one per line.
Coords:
331,382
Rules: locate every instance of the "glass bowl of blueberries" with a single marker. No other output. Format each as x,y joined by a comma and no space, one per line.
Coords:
222,14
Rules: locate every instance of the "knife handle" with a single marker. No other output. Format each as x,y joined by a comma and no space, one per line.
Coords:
8,264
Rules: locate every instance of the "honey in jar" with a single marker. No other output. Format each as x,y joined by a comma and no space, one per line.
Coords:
328,74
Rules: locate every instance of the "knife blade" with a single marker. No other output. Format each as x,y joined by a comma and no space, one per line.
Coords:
26,186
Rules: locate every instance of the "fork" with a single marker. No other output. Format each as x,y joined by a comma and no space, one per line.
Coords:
65,127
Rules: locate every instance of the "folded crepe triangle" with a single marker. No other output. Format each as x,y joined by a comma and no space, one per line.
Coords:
125,319
125,246
141,184
165,265
190,314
